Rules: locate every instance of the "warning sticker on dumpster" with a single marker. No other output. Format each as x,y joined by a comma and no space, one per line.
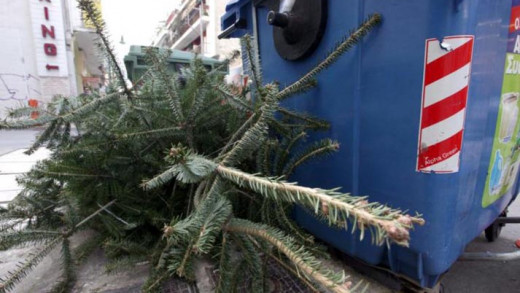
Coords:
505,153
447,69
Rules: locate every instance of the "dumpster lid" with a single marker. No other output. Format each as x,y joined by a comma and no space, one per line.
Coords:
234,22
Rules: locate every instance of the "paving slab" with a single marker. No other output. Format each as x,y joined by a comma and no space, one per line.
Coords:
8,182
19,156
15,139
15,167
13,164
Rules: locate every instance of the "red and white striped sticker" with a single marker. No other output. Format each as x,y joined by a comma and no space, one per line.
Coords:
447,69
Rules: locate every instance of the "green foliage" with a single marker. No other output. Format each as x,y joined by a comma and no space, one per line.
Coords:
345,45
14,277
68,276
166,172
297,253
18,238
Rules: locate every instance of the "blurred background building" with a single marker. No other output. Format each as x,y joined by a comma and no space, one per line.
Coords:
194,27
47,49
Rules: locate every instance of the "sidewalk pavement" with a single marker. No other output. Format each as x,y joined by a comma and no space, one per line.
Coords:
464,276
13,161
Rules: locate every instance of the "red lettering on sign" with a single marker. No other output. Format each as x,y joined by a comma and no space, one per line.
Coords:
48,32
50,49
52,67
514,25
440,151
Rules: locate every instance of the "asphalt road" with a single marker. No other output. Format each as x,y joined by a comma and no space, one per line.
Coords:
488,276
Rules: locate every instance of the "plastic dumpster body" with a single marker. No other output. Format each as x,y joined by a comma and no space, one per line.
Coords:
426,111
136,65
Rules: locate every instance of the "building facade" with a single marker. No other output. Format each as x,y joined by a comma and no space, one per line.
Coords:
195,27
46,50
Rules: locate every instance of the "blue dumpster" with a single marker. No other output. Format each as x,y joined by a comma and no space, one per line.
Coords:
425,108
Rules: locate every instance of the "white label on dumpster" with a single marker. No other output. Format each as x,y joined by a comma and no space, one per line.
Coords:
447,69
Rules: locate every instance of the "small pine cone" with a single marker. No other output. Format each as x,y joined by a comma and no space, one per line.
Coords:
405,220
168,230
174,152
398,234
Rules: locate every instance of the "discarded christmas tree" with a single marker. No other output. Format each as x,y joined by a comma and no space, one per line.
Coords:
181,167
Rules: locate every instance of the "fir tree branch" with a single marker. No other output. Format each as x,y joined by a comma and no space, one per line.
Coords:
166,78
312,122
253,59
191,170
285,150
214,219
319,148
200,94
233,100
17,238
254,262
45,136
251,139
338,207
74,114
10,225
86,248
297,254
89,107
235,54
294,272
66,174
7,283
155,133
289,268
290,225
68,276
154,281
202,226
225,267
122,264
305,86
155,113
239,133
23,112
184,269
195,235
96,19
85,220
237,276
343,47
27,123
